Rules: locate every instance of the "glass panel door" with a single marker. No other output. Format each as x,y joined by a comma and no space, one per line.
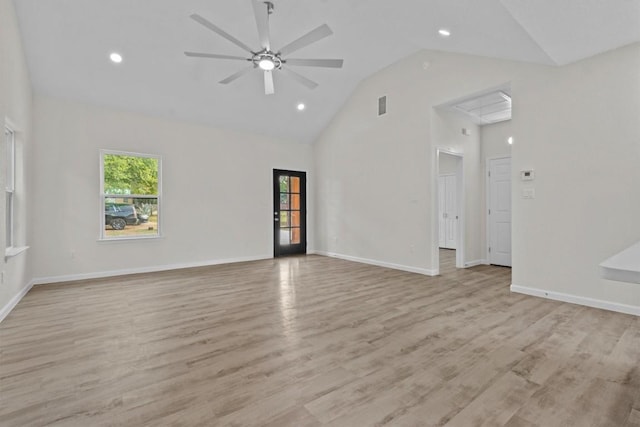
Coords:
289,192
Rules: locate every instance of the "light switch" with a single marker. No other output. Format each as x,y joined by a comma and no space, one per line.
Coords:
528,193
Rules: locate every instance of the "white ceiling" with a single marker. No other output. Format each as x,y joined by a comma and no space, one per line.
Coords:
67,43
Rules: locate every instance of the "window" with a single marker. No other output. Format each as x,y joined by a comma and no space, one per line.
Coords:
10,190
130,195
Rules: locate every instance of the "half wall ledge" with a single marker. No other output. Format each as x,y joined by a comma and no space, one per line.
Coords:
624,266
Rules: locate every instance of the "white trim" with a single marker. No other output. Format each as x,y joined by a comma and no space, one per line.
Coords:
401,267
475,263
574,299
8,307
152,269
435,221
14,250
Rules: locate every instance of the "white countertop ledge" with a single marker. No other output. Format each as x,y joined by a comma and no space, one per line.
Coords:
623,267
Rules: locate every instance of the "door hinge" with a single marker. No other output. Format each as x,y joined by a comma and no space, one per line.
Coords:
489,249
489,174
489,211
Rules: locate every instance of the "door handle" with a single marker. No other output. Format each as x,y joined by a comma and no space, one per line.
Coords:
276,219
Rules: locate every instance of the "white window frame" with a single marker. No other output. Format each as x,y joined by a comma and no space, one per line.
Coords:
11,247
10,184
103,196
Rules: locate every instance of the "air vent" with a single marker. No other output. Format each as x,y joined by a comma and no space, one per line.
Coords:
382,105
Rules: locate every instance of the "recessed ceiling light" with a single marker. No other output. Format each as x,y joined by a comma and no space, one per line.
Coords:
444,32
301,106
115,57
510,140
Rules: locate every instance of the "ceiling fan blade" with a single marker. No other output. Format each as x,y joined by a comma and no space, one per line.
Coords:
236,76
220,32
269,89
300,78
215,56
329,63
261,11
311,37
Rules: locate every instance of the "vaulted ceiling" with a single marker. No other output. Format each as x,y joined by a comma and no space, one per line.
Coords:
68,42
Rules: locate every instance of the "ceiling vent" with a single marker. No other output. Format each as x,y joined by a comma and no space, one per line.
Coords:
491,107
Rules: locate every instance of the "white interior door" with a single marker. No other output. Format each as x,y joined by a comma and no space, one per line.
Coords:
448,212
500,211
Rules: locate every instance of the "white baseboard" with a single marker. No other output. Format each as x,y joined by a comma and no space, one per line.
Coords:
153,269
4,312
410,269
476,262
574,299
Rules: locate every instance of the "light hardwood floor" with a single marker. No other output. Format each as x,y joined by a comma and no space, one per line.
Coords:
314,341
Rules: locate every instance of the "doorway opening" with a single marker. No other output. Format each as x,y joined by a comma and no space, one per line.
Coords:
449,250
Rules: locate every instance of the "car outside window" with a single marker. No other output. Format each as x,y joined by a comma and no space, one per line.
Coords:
130,195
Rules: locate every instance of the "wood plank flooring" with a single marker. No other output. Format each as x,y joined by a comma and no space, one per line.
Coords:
314,341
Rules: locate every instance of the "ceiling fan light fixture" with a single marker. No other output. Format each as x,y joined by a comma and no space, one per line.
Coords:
115,57
301,106
266,64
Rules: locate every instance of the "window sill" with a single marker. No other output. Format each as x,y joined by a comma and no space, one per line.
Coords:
13,251
129,239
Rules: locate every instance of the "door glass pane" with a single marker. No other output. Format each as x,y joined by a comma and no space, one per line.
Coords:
284,184
284,220
295,236
295,218
285,236
284,202
295,184
295,201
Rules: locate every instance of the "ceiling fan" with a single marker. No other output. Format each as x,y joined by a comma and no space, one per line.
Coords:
267,59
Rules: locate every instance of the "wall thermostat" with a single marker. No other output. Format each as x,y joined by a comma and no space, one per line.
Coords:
527,175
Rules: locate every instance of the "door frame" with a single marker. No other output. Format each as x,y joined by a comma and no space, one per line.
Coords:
435,202
487,204
303,210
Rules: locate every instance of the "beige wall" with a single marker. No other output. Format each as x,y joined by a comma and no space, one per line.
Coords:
360,156
494,140
577,126
16,105
217,191
579,130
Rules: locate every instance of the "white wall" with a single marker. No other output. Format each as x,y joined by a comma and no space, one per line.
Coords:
577,126
579,129
376,174
493,140
217,190
448,164
15,104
